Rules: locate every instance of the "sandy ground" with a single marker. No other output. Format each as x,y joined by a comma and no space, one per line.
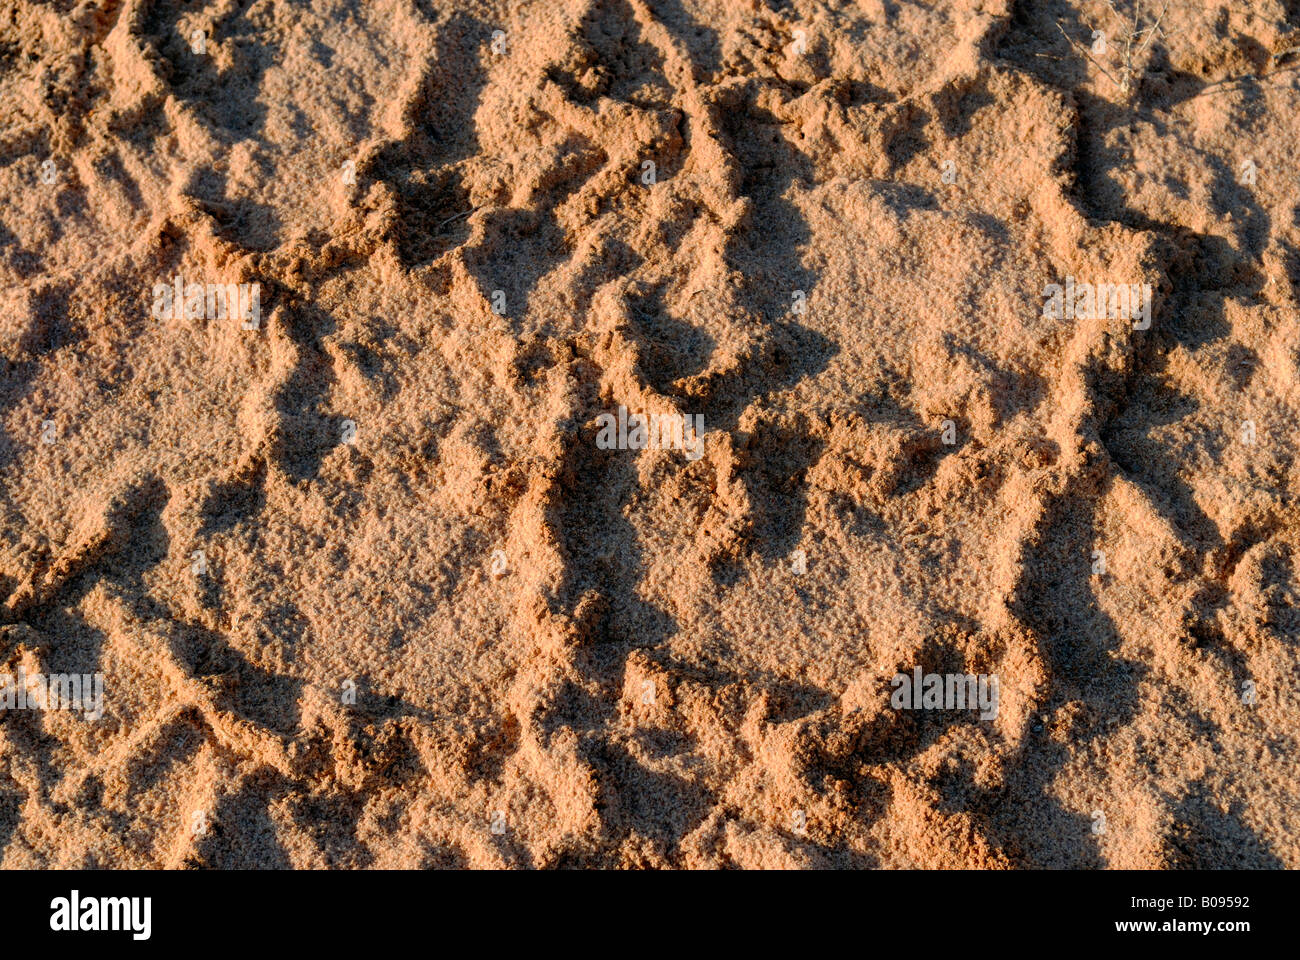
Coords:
364,588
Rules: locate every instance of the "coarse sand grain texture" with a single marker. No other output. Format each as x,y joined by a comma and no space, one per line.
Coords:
368,585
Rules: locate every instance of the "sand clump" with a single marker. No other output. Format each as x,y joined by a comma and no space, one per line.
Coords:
366,592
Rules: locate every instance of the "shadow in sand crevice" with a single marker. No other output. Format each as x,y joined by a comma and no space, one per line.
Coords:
603,554
239,220
782,349
196,78
520,246
651,805
240,832
613,60
1057,600
50,328
305,433
1209,835
11,807
702,41
670,349
424,167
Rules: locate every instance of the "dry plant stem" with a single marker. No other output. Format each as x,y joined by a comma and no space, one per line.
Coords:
1125,82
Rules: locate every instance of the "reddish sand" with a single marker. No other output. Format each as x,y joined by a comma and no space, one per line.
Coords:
435,623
